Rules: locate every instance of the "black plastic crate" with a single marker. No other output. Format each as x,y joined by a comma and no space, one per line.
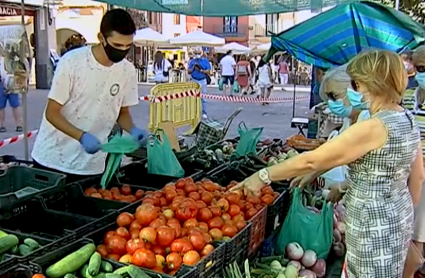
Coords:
239,244
21,183
98,235
19,270
258,230
32,219
136,174
73,200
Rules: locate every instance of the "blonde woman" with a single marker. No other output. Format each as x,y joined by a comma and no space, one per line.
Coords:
381,152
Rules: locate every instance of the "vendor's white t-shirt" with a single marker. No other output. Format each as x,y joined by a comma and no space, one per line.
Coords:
228,64
92,96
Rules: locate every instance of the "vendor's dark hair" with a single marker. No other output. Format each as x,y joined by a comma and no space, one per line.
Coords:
117,20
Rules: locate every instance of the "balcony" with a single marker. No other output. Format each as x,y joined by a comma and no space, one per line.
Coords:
232,30
261,30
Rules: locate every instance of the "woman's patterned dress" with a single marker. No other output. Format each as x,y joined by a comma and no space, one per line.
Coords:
379,217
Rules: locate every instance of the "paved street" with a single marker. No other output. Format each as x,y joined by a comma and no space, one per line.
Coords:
275,118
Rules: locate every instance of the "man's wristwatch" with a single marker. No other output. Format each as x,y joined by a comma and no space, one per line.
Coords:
264,176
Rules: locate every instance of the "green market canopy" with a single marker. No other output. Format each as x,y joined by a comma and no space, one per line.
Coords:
220,8
334,37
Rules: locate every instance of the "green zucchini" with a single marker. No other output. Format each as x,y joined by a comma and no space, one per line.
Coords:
15,250
121,271
24,250
112,275
136,272
32,243
83,271
69,275
106,267
94,264
8,242
101,275
72,262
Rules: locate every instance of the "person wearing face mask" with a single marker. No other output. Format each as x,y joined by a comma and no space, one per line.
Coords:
92,89
199,69
385,161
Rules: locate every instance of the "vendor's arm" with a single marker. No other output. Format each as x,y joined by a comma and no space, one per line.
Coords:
59,94
417,177
131,98
350,145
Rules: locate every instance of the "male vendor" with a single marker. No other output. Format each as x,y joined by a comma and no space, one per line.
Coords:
199,68
93,88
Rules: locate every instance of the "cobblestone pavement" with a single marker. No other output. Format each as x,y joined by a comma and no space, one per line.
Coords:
275,118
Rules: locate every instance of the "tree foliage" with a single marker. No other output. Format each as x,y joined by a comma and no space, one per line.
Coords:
414,8
139,18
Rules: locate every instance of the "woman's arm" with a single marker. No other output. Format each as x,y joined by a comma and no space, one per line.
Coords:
356,141
417,177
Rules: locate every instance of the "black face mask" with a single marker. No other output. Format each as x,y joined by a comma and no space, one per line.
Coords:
115,55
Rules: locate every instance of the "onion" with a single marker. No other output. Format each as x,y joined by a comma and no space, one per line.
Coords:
335,221
294,251
339,249
291,271
309,258
336,236
341,228
297,264
319,268
306,273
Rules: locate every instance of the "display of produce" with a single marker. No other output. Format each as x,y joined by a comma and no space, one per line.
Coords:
339,230
123,194
10,244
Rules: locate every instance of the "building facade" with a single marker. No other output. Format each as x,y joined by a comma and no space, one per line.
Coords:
231,28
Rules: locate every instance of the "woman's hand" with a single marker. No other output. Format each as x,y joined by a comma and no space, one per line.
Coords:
251,185
302,181
334,195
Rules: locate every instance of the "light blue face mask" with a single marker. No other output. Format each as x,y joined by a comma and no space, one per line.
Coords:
364,115
338,108
355,98
420,78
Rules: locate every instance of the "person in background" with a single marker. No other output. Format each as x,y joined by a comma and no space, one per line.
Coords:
92,89
265,80
283,72
406,56
199,68
384,154
418,59
227,71
161,68
254,75
7,95
316,89
243,74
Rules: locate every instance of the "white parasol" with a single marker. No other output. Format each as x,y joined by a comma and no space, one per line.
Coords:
149,37
262,48
236,48
197,38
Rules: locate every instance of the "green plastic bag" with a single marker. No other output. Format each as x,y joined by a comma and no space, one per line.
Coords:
248,140
116,147
161,158
311,230
221,84
236,87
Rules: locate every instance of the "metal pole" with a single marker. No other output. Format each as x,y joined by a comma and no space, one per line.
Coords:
294,70
397,4
25,90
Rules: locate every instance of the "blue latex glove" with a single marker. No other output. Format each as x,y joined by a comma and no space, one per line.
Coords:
90,143
139,134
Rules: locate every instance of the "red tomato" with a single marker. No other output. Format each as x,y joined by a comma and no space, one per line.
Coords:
148,234
267,199
197,241
102,250
116,245
180,184
190,187
204,215
126,190
123,232
223,204
200,204
139,193
113,257
174,261
157,223
133,245
134,234
216,234
144,258
181,192
165,236
181,246
215,211
207,237
170,195
145,214
158,250
234,210
229,230
125,219
253,200
250,213
203,227
191,258
206,197
232,198
107,236
135,226
186,210
216,222
207,250
240,224
176,226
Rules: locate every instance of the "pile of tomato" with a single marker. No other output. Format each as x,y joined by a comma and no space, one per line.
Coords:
123,194
178,224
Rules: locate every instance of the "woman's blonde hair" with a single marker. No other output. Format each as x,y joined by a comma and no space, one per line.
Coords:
382,72
418,56
335,81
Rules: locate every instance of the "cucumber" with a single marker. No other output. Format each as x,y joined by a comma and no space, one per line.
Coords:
72,262
94,264
101,275
8,242
112,275
32,243
106,267
24,250
136,272
121,271
83,271
15,250
70,275
2,234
